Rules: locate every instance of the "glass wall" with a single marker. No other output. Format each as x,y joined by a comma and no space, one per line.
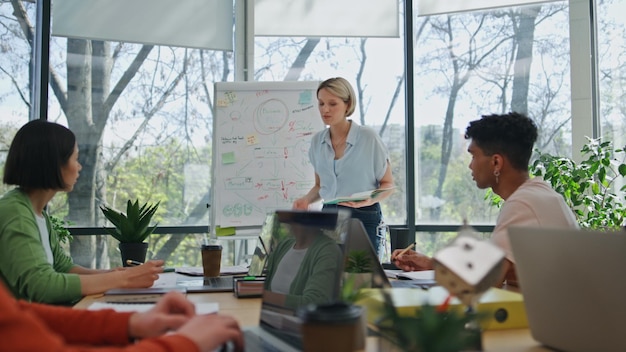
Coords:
374,67
469,64
15,66
612,69
143,113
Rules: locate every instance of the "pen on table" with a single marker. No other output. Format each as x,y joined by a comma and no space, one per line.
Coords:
135,263
406,249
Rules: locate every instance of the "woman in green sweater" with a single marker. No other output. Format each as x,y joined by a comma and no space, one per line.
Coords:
304,268
43,160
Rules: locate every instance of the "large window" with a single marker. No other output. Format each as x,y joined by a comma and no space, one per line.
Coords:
143,113
476,63
469,64
612,69
374,67
14,76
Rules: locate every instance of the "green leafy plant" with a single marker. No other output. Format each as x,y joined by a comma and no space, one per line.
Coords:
351,292
431,329
357,275
60,227
132,227
589,187
358,261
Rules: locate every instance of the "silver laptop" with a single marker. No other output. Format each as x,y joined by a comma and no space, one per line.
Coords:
279,328
573,286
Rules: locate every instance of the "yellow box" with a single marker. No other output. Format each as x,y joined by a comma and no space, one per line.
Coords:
504,309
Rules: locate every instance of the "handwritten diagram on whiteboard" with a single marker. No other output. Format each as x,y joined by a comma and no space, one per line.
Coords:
262,133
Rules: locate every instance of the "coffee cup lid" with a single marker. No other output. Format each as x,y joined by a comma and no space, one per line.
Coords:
211,247
339,312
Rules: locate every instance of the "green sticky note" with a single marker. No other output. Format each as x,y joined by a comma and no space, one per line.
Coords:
224,231
305,97
228,158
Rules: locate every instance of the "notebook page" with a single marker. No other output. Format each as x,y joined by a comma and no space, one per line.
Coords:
201,308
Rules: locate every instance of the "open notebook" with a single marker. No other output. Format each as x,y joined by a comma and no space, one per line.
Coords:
297,276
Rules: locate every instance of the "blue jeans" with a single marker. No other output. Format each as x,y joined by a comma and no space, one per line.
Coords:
371,216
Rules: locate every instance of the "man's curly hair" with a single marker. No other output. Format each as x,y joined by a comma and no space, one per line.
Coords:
512,135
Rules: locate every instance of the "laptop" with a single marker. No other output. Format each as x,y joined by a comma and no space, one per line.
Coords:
358,240
573,285
279,327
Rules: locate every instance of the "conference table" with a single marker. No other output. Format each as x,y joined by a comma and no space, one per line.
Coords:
247,312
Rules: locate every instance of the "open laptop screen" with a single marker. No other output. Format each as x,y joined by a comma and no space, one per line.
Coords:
304,264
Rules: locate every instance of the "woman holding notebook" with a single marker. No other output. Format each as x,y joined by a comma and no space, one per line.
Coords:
348,158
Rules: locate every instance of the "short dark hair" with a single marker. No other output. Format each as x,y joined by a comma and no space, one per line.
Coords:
512,135
37,153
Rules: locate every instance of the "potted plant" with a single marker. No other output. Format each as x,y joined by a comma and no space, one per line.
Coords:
131,229
431,329
358,270
593,188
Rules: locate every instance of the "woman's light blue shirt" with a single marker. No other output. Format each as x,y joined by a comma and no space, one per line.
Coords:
363,164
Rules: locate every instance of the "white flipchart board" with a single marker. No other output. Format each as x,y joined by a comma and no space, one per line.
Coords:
261,136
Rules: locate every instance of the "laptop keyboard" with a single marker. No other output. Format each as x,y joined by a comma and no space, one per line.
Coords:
219,282
255,343
216,282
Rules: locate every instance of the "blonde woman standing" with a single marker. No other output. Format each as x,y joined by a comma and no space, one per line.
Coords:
347,158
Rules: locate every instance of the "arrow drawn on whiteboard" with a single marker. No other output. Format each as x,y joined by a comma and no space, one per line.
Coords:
295,168
243,168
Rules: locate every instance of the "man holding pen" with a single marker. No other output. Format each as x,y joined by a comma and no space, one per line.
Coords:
501,146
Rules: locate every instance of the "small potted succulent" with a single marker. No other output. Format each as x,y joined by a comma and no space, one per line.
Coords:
131,229
358,269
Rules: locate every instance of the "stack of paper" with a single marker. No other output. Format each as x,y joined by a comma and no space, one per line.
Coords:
201,308
360,196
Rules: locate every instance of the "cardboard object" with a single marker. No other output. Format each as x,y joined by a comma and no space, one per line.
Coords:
467,267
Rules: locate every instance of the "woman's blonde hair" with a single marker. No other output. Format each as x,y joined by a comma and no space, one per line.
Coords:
341,88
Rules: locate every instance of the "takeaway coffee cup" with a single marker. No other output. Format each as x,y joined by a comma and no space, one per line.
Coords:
331,327
211,259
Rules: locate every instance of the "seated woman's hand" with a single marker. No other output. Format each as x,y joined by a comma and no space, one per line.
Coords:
169,313
411,260
143,275
211,331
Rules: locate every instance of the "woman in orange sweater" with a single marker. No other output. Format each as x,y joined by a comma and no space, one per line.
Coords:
170,326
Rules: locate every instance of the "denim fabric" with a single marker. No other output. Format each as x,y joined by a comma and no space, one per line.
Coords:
371,216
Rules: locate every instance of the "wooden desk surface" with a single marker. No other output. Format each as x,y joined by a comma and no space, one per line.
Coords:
247,312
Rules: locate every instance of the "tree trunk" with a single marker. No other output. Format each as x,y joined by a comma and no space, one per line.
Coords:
524,35
298,64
